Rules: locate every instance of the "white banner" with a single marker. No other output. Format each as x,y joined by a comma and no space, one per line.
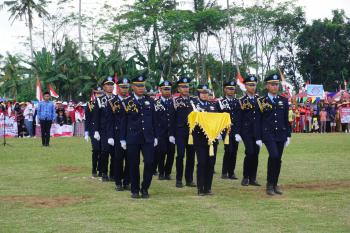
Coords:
57,130
11,129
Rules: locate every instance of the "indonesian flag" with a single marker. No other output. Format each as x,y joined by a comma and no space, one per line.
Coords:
239,80
92,97
52,92
39,94
286,86
115,86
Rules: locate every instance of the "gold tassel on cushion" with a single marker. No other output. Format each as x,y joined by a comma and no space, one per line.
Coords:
227,139
211,150
190,139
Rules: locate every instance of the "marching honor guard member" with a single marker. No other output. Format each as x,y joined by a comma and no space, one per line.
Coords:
206,162
89,133
165,127
116,113
138,135
184,105
275,130
230,105
101,109
249,130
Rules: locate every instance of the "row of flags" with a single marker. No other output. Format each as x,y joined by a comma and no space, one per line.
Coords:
39,93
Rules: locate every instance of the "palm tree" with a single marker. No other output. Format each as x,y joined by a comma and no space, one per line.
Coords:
12,74
26,8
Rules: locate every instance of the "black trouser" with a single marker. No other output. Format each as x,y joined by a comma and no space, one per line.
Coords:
94,158
133,152
251,159
121,165
45,126
205,167
182,147
165,152
275,150
230,157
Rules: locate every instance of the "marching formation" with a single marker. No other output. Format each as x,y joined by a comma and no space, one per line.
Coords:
124,126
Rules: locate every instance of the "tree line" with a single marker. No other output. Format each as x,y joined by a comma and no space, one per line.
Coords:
163,39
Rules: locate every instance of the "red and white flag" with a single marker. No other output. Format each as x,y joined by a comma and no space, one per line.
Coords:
39,94
52,92
115,86
239,80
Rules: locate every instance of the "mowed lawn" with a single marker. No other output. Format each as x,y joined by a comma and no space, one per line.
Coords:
50,190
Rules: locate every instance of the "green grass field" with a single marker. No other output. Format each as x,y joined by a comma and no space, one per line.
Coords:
50,190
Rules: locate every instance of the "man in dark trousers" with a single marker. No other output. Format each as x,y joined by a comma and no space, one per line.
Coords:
206,162
275,130
46,114
138,135
101,108
248,130
115,115
165,127
230,105
89,133
184,105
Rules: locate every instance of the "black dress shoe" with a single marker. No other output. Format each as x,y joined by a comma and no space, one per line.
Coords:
270,190
161,177
209,192
201,193
94,174
155,173
245,182
167,177
277,190
99,174
179,184
126,187
144,194
233,177
191,184
224,176
135,195
254,183
119,188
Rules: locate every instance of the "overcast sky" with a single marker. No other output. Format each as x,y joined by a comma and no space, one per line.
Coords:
12,35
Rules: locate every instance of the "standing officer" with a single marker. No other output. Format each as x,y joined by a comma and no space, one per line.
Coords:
275,130
138,135
89,132
248,130
101,128
184,106
230,105
116,113
165,127
206,162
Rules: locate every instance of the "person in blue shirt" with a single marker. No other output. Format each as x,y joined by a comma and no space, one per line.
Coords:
46,114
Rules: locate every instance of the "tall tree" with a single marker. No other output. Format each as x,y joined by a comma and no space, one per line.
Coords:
324,48
26,8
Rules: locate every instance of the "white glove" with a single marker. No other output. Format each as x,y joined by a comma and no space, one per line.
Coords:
123,144
219,137
259,143
172,139
111,141
155,142
286,144
86,137
97,136
238,138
